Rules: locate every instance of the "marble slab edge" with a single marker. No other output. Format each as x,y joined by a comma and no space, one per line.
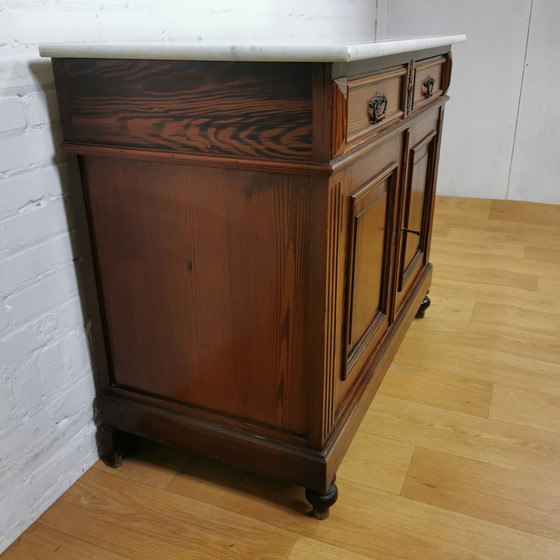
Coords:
255,53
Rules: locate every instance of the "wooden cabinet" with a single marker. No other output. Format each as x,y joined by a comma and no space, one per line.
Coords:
255,243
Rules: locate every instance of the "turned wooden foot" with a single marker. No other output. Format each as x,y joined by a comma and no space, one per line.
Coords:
423,306
109,446
322,501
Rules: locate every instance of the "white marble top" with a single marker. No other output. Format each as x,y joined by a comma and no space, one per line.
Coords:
305,52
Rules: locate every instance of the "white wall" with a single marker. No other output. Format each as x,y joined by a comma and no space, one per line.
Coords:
535,170
493,146
46,429
487,70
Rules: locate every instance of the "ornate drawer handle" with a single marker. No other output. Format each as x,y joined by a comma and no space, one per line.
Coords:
429,84
378,107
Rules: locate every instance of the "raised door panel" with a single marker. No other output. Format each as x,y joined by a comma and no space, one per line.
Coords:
365,266
368,266
416,205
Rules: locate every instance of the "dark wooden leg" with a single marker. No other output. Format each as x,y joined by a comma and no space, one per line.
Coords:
109,446
423,306
321,502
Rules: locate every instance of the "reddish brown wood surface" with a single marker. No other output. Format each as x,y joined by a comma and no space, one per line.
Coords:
372,168
243,109
416,201
369,262
208,290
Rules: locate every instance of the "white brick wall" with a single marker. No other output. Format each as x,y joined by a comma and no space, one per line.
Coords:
46,392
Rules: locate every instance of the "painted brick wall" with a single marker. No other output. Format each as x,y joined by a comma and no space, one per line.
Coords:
46,392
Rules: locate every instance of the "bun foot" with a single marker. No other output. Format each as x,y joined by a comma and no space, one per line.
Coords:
322,501
423,306
109,446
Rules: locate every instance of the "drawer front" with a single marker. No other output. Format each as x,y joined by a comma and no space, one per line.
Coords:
375,102
429,78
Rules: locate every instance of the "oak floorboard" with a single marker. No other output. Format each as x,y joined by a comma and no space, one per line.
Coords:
516,236
528,450
463,206
523,407
43,543
497,494
144,522
527,348
373,523
549,284
479,228
446,308
488,263
306,548
525,212
491,275
542,254
453,392
457,291
516,317
150,463
376,462
472,249
482,364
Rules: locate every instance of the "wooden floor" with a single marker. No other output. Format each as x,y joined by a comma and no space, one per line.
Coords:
457,458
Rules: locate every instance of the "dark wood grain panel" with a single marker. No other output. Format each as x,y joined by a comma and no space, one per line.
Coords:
244,109
208,283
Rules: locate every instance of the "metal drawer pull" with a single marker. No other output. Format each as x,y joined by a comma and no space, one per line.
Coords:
429,84
406,230
378,107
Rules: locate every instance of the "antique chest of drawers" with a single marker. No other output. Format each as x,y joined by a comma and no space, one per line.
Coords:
254,233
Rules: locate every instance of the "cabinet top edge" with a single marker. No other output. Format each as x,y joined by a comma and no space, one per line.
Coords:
304,52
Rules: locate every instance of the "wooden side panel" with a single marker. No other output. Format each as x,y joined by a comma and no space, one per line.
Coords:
234,108
212,285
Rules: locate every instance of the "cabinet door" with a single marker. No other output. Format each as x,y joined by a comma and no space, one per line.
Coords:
416,209
368,264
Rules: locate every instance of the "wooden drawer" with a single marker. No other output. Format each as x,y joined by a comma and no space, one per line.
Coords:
429,78
375,102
